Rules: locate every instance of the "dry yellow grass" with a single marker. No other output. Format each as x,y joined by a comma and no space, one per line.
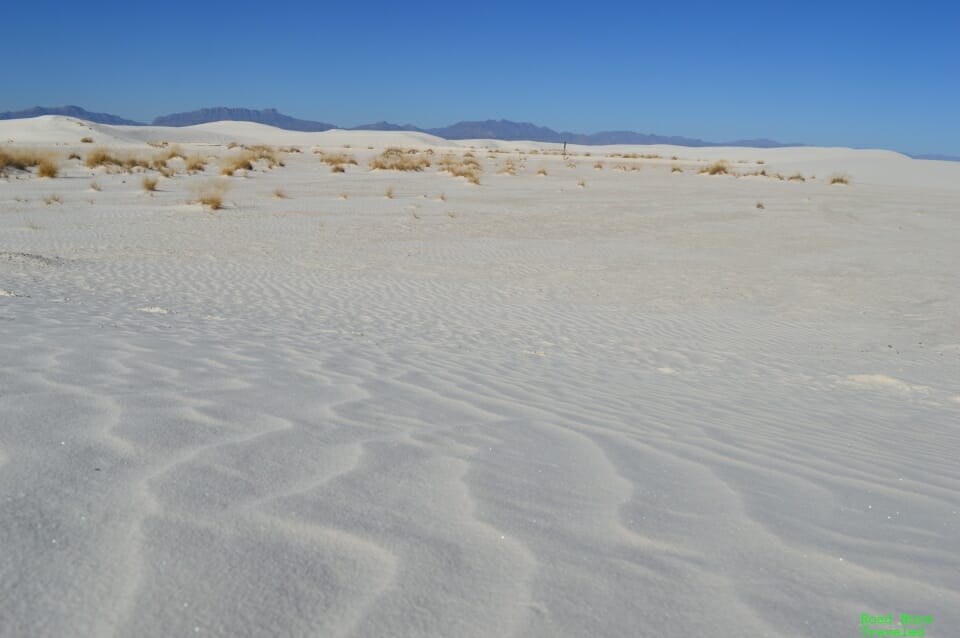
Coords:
240,161
509,168
542,172
86,140
797,177
676,169
336,161
389,192
115,161
279,193
47,168
211,193
195,163
52,199
74,156
149,184
598,166
467,167
839,179
21,159
397,159
719,167
94,186
343,195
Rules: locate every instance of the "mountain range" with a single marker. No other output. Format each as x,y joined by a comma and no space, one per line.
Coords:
487,129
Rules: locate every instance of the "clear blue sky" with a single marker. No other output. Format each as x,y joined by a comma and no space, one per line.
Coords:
851,73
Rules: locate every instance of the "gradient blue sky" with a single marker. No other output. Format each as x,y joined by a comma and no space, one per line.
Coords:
866,74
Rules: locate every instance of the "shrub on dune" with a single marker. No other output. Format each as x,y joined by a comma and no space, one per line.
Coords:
47,168
719,167
396,159
211,194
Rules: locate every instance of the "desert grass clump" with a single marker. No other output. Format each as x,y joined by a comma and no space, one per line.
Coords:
719,167
242,161
195,164
149,184
760,206
211,194
389,192
797,177
676,169
47,168
509,168
264,152
467,167
73,156
102,157
598,166
94,186
337,161
52,199
20,159
86,140
397,159
839,179
582,184
279,193
542,172
344,195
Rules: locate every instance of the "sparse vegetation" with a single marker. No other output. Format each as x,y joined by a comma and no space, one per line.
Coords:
389,192
279,193
149,184
52,199
467,167
797,177
719,167
676,169
760,205
47,168
397,159
86,140
73,156
542,172
582,184
211,194
839,179
195,164
337,161
343,195
598,166
21,159
509,168
241,161
94,186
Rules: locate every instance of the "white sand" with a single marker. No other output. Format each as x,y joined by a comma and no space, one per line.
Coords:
644,407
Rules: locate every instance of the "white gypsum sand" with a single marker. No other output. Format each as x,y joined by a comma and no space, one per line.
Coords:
616,401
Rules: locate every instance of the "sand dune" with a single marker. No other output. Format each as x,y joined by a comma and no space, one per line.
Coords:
640,407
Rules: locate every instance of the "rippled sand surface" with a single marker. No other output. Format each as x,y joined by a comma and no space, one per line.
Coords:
641,407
